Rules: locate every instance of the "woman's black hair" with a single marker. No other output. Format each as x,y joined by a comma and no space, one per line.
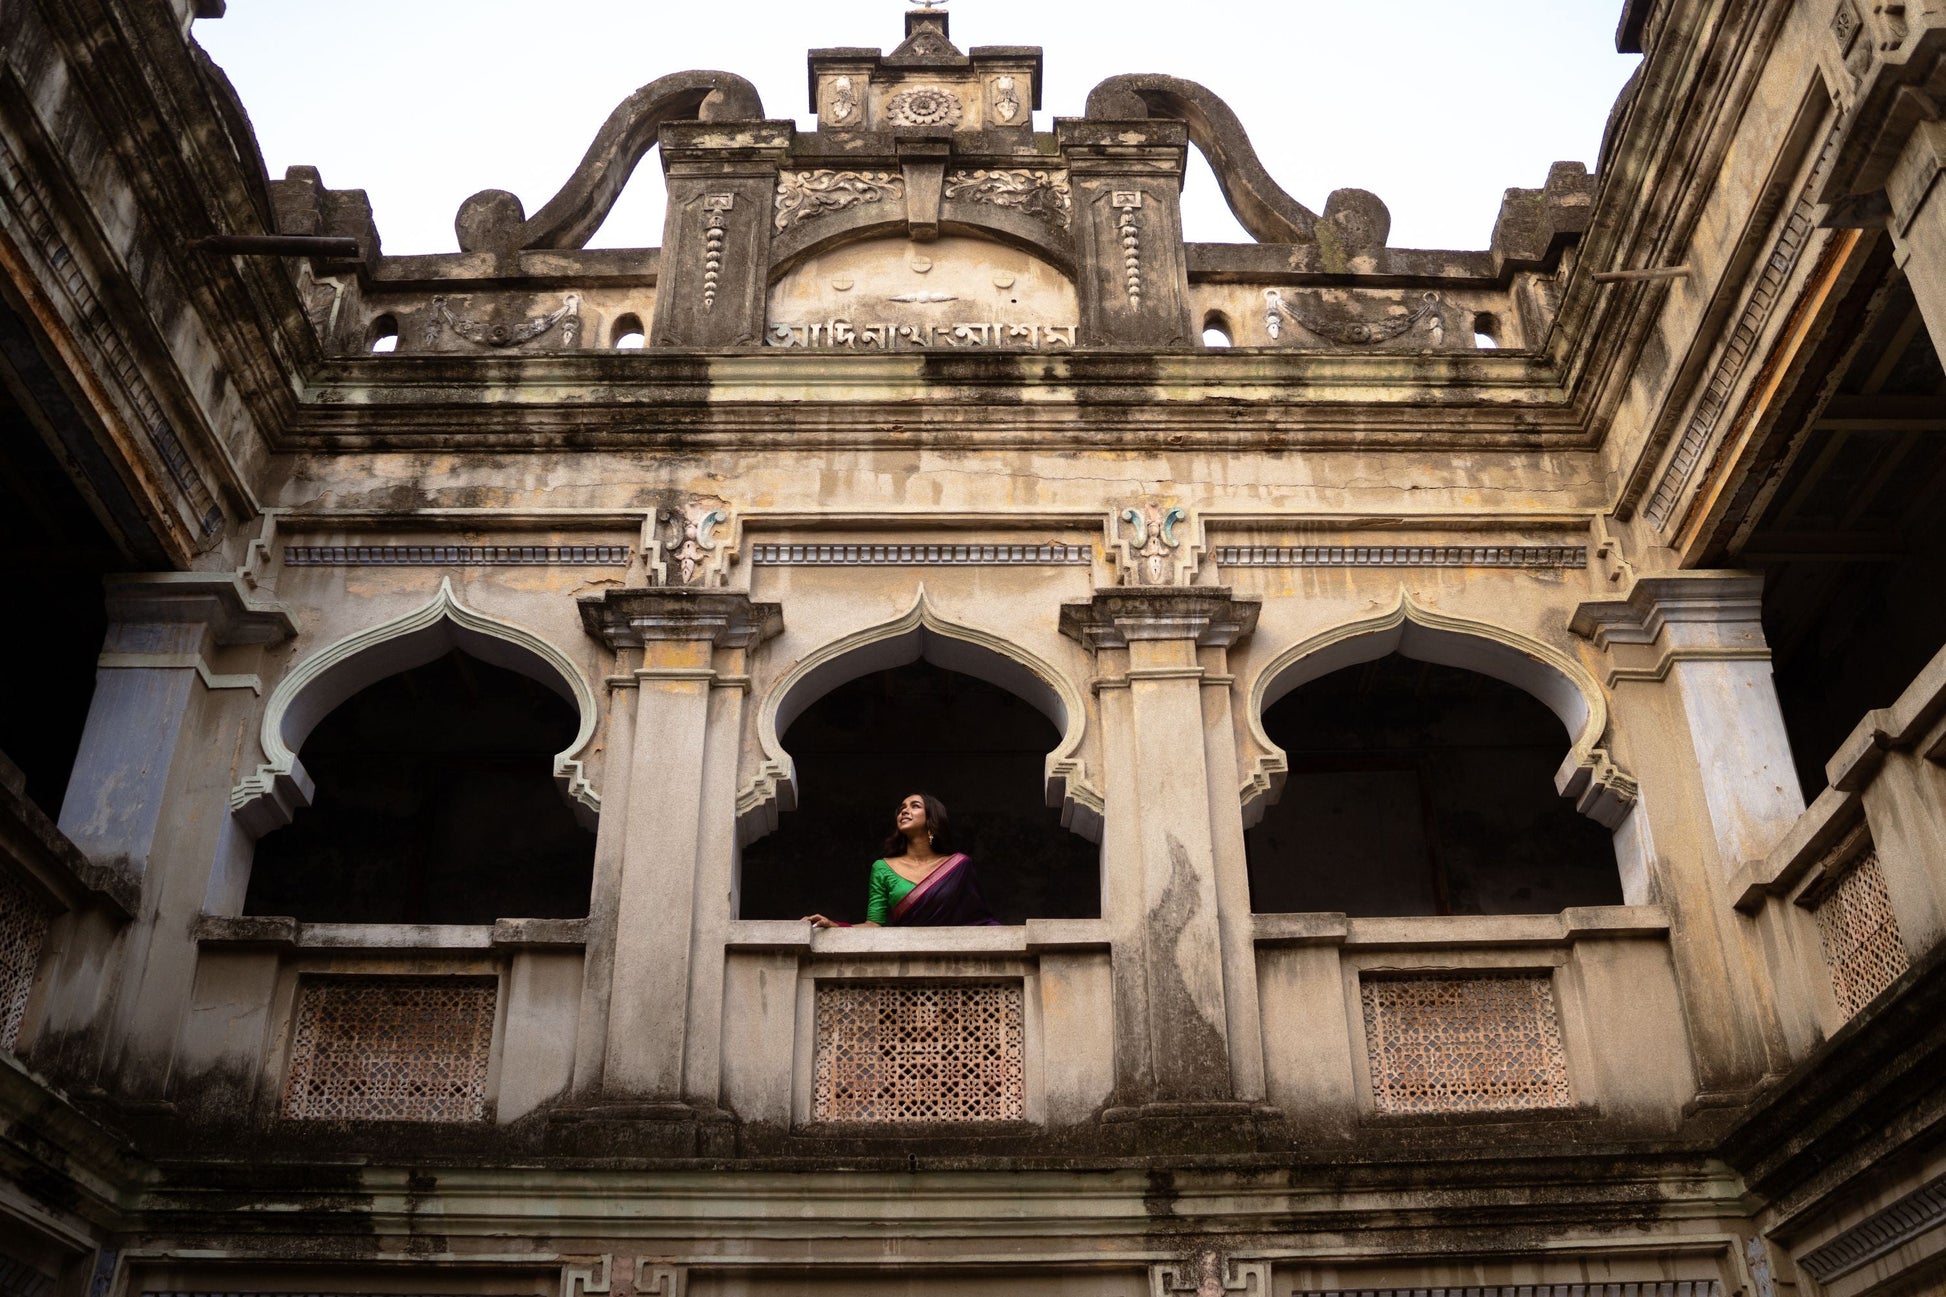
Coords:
935,825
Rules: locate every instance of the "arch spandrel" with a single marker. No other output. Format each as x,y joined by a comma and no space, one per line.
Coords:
921,632
267,798
1600,788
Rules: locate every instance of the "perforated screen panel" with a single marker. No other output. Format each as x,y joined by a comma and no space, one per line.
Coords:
925,1051
1473,1042
23,933
1859,934
391,1049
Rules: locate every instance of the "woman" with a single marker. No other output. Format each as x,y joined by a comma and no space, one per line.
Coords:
913,884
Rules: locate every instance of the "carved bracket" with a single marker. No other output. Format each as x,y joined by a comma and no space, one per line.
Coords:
1207,1272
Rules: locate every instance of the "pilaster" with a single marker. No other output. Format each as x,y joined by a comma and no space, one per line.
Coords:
1188,1033
1689,668
663,863
1133,279
713,274
175,683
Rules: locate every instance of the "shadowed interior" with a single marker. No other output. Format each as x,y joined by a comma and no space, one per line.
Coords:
1416,788
435,803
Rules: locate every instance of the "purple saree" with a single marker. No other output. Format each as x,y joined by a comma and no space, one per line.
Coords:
948,898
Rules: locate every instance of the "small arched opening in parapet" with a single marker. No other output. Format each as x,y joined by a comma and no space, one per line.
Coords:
383,334
922,707
627,333
423,772
1217,331
1427,768
1486,331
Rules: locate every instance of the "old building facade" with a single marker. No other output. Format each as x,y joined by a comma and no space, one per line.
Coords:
1454,740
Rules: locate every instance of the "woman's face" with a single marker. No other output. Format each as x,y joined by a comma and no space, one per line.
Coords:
912,814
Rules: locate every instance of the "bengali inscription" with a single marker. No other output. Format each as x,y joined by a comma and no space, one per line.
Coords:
844,335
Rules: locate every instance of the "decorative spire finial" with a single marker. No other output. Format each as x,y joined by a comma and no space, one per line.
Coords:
927,6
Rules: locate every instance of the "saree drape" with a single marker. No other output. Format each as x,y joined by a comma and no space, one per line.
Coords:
949,897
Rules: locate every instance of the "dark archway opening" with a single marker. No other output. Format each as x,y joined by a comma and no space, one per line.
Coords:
1416,788
435,803
920,728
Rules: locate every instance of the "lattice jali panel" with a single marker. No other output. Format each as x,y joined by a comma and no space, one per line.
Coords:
1469,1042
1859,934
919,1051
391,1049
23,932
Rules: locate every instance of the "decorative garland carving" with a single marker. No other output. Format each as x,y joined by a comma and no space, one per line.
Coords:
924,106
1355,333
1129,226
485,334
802,195
1037,193
715,218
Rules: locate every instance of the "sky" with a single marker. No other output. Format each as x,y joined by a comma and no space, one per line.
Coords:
1437,106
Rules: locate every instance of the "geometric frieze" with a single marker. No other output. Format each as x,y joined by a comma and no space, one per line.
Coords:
1858,932
1652,1288
972,555
1561,556
1472,1042
1883,1231
391,1049
456,555
919,1052
23,931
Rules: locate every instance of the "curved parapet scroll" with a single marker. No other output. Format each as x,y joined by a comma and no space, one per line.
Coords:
493,220
1355,222
267,799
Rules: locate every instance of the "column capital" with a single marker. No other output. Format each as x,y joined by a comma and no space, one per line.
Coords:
1687,610
216,600
1212,616
638,615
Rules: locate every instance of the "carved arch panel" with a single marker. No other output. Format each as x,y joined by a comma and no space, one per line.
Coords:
921,632
1600,789
267,798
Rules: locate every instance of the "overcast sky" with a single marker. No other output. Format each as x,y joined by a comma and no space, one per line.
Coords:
1434,105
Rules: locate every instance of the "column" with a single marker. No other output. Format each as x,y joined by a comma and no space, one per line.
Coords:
149,796
663,864
1185,982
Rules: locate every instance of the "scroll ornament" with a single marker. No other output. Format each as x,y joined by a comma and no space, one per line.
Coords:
802,195
1044,194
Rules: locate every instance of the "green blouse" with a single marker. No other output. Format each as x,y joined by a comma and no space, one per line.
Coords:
884,892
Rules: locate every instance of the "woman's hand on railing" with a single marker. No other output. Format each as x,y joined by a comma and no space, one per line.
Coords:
820,921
